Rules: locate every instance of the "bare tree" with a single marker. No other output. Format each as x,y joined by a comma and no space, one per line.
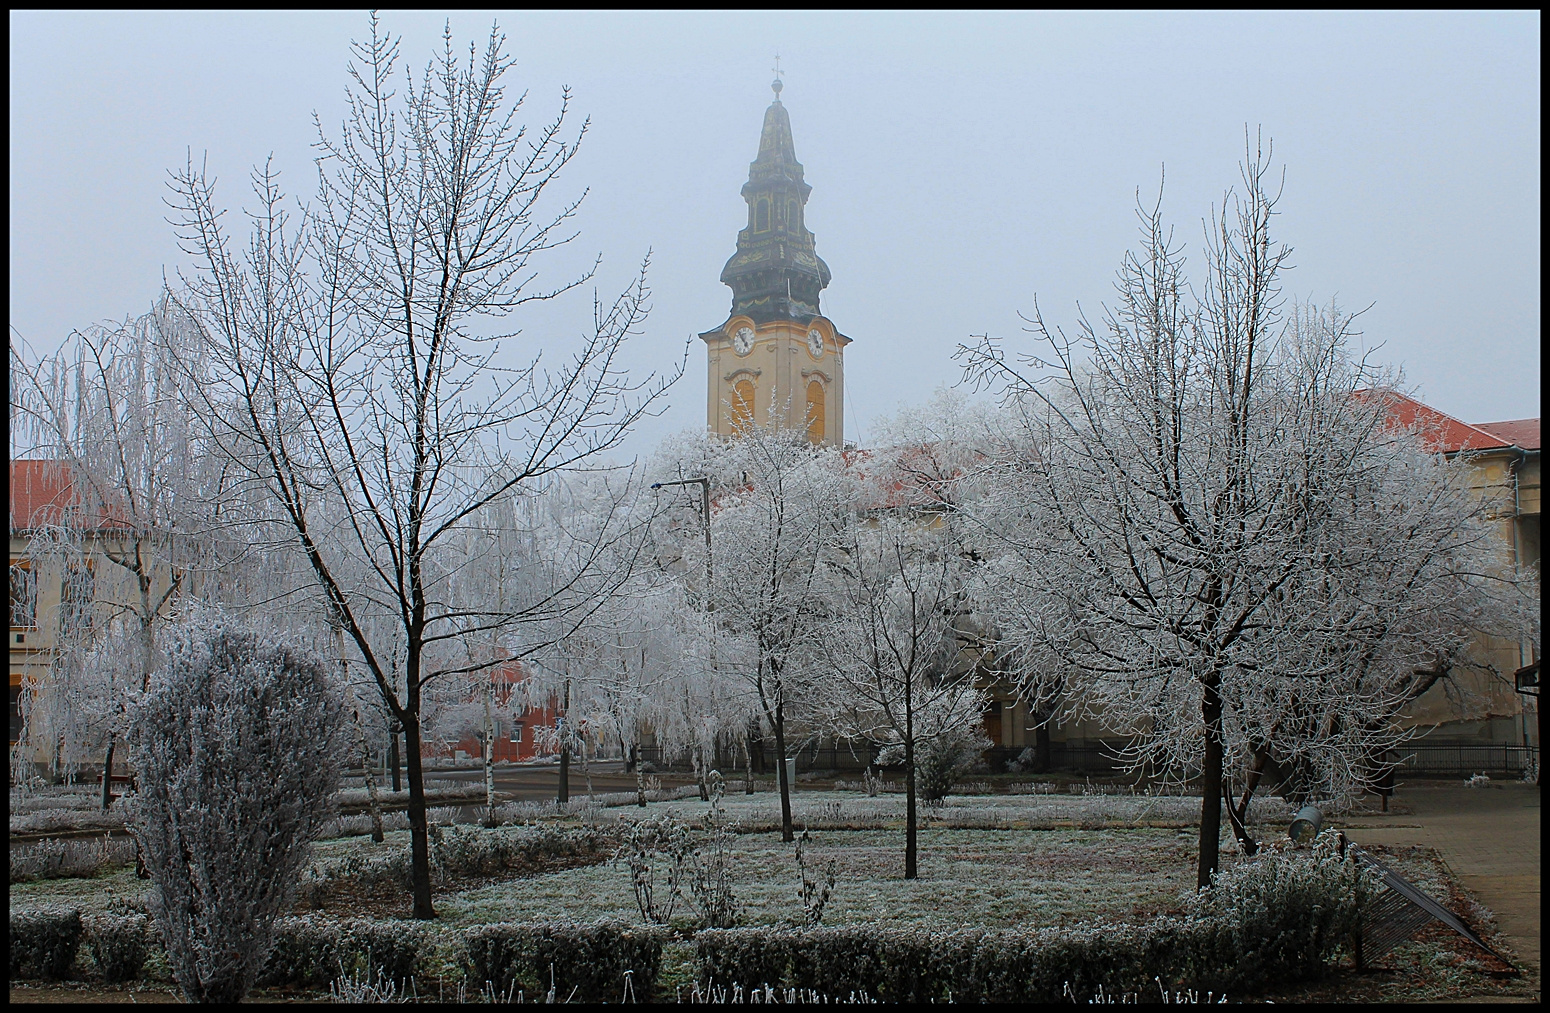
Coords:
345,373
894,650
1192,482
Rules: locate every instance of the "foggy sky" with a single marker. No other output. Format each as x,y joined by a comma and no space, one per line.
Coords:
961,165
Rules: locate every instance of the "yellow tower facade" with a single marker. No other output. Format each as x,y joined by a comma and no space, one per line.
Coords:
776,362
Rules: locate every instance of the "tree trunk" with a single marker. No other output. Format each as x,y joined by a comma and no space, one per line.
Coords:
748,767
419,831
1211,784
489,756
107,775
756,745
910,820
393,759
786,831
373,802
564,793
1239,817
1041,758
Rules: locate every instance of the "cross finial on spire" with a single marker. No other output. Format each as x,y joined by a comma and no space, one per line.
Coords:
775,85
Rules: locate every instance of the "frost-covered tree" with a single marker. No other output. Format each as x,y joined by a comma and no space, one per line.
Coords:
147,515
1192,521
894,650
236,742
777,505
356,369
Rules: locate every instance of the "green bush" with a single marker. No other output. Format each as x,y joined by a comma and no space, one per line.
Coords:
588,961
310,953
118,945
44,942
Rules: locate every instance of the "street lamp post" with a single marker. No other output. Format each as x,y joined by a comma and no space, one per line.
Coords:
704,484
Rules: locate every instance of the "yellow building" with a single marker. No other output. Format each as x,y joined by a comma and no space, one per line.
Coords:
1504,459
776,361
56,596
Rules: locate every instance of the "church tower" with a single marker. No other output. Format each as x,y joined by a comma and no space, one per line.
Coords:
777,361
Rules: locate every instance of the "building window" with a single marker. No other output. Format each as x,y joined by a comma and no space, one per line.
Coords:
762,221
815,411
793,222
75,603
24,596
16,712
742,406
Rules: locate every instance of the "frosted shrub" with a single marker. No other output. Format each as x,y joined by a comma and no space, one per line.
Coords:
311,952
235,744
44,942
118,944
581,963
53,859
1477,781
1281,915
941,761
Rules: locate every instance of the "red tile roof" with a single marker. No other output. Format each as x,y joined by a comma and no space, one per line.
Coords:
40,494
1443,434
1521,433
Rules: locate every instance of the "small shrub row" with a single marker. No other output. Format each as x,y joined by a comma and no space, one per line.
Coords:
44,942
52,858
582,963
310,953
118,944
1277,917
457,852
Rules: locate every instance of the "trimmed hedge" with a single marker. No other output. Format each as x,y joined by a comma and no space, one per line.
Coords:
589,961
44,942
118,944
311,953
1275,918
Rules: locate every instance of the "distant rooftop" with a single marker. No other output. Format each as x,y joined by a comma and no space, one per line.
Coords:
1521,433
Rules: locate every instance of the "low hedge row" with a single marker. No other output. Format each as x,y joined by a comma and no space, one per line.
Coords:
582,963
1276,918
44,942
313,953
457,852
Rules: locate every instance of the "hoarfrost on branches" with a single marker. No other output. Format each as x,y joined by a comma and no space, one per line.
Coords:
236,743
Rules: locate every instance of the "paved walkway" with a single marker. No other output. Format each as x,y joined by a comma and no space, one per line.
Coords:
1489,838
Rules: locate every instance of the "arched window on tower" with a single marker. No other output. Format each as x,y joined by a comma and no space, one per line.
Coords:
762,221
815,412
792,221
742,406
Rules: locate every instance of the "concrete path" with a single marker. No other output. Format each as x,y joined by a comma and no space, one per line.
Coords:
1488,836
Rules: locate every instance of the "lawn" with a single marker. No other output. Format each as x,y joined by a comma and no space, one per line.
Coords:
1003,861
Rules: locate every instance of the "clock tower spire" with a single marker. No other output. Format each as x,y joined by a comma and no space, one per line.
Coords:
777,361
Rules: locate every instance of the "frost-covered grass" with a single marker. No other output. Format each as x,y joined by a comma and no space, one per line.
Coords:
839,810
992,878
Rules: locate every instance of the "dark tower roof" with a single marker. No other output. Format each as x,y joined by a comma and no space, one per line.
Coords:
776,272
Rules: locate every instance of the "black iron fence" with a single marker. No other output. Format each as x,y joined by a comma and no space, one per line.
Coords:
1417,759
1461,759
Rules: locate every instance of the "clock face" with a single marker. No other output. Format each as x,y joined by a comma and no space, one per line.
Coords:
742,341
815,343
